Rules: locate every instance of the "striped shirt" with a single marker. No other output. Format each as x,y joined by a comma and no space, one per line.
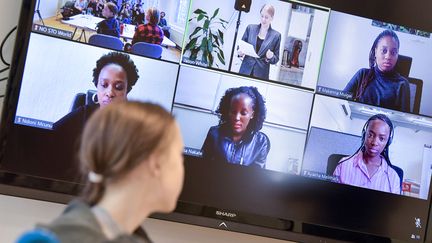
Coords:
354,172
148,33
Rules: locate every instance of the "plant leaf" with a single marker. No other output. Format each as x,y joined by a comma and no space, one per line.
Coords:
195,31
216,39
215,13
191,43
194,54
220,33
221,59
211,59
206,24
203,46
204,56
200,11
222,20
200,17
210,44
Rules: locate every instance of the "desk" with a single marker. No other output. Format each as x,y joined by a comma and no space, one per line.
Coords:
89,22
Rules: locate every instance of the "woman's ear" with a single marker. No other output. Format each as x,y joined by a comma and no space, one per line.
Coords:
154,165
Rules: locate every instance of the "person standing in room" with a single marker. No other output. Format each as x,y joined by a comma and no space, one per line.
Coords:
238,139
370,166
110,25
150,32
266,42
381,84
136,172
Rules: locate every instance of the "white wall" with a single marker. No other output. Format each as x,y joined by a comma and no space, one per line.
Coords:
49,8
348,42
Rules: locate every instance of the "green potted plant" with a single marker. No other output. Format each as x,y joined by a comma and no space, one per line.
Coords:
207,39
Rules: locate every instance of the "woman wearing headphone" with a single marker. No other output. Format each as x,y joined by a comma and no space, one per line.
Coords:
370,166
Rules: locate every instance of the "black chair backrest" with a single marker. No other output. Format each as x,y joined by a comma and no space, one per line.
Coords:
403,65
333,161
400,173
416,90
82,99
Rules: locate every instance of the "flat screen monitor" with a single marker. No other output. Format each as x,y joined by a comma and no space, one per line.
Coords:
298,122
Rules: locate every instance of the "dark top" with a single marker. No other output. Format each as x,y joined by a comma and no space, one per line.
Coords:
67,132
260,67
258,44
79,224
389,90
252,149
109,26
163,23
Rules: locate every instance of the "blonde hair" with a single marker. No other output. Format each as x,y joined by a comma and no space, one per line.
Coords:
269,9
119,137
154,15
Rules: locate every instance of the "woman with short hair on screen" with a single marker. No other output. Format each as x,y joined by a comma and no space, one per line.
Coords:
132,156
114,76
266,42
381,84
238,139
370,165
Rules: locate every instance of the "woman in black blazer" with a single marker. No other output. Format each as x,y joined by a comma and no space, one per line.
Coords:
266,42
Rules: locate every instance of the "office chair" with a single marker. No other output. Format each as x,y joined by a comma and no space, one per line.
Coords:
403,67
38,236
416,90
147,49
106,41
82,99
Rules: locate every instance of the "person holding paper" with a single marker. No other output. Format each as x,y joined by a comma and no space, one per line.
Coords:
266,42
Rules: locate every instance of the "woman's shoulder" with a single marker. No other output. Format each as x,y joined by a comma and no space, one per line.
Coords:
262,137
275,32
76,224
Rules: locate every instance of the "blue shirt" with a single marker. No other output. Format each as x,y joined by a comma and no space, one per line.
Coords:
109,26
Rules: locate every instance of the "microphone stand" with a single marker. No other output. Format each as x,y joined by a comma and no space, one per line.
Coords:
37,11
235,38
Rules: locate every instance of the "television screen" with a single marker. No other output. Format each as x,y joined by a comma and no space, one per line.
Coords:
300,121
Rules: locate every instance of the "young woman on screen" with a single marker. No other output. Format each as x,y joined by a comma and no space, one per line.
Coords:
266,42
381,84
370,166
237,139
132,155
114,76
